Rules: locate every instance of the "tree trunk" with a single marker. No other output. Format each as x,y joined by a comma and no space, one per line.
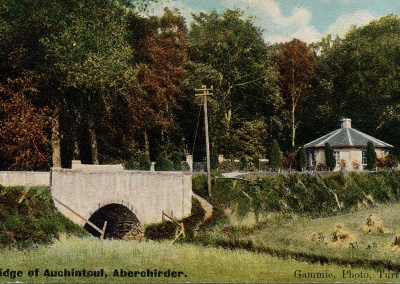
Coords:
93,142
55,140
146,143
293,127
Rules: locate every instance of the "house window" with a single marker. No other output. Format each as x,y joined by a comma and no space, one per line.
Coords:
364,158
336,154
311,158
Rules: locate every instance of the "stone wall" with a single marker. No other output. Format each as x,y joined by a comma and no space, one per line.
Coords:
145,193
24,178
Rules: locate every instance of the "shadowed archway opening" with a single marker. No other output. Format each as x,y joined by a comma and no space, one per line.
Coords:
122,223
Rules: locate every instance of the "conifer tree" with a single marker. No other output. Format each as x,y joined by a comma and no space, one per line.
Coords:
329,157
275,155
371,156
302,158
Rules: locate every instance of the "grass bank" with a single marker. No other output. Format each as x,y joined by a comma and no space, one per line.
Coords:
341,239
197,264
28,217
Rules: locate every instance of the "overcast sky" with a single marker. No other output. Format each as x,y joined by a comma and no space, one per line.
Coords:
307,20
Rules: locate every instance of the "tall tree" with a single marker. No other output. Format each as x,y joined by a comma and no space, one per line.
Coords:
357,77
232,46
164,52
24,128
92,57
78,52
296,64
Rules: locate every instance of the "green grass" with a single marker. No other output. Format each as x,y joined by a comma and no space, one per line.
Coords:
199,264
293,236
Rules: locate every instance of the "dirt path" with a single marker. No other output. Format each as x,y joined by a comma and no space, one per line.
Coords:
208,208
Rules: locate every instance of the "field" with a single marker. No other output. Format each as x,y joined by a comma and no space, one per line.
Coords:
367,237
197,264
132,261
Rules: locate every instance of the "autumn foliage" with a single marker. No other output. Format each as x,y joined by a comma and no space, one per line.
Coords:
24,135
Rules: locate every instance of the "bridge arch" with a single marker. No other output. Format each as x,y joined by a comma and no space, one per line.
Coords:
122,223
79,193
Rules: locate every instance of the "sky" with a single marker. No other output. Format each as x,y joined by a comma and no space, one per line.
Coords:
283,20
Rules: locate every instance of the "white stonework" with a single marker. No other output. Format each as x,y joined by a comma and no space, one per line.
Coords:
146,194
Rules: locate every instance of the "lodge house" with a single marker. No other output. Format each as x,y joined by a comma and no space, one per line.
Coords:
349,145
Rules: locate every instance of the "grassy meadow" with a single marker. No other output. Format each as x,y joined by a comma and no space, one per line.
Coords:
290,243
198,264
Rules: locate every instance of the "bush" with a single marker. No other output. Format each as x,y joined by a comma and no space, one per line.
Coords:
218,219
144,162
131,164
163,163
140,162
196,217
275,156
167,229
160,231
30,218
243,163
199,185
329,157
177,159
302,156
371,156
225,167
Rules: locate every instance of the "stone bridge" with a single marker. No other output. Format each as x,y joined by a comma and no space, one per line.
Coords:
120,197
93,195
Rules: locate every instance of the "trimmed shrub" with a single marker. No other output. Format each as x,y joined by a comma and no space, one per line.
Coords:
131,164
275,156
138,162
177,159
302,159
243,163
225,167
329,157
371,156
144,162
163,163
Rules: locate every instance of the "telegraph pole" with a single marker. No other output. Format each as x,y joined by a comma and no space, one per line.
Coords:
205,93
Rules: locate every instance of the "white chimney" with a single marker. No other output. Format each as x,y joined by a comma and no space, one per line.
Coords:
346,123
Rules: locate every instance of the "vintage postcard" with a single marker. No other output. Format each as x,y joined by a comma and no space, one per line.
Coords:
182,141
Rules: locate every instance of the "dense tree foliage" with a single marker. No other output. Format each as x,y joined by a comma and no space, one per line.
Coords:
245,79
357,77
96,80
296,64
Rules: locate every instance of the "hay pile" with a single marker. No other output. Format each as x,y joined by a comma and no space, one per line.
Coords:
342,238
339,238
374,224
395,246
